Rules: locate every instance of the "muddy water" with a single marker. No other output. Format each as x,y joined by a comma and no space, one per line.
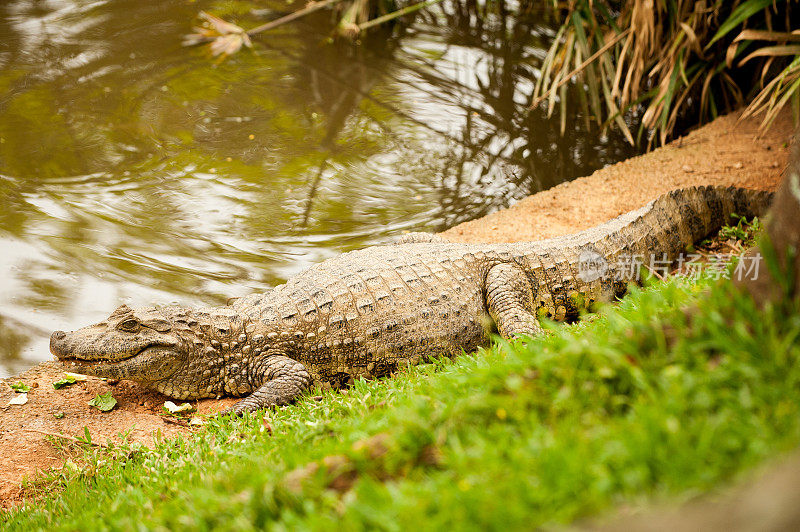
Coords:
134,170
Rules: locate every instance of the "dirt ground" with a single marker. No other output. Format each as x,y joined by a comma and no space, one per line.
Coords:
723,152
26,430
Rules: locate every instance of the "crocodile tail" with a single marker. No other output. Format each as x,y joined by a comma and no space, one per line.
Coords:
665,227
695,212
654,235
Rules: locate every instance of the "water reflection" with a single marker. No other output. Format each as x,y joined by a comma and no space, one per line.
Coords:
134,170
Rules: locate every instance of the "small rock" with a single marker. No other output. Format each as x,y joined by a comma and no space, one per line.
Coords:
738,165
773,165
686,168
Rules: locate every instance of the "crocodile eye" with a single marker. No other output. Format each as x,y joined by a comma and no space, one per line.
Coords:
128,325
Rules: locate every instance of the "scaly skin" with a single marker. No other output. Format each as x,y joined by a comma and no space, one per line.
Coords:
368,312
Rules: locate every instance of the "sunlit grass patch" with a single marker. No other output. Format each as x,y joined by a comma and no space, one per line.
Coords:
645,401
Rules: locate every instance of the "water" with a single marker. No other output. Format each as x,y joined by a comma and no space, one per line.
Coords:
134,170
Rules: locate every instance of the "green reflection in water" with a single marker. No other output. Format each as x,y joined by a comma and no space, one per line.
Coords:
135,170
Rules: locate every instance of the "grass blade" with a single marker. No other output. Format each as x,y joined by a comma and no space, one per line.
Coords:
739,15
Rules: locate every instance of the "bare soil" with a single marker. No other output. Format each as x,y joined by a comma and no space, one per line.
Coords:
27,431
723,153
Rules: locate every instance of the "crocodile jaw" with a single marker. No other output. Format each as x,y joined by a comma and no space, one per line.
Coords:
104,351
149,365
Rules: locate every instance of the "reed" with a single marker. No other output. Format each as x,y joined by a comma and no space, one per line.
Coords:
665,62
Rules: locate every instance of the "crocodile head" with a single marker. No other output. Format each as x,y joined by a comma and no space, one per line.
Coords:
141,345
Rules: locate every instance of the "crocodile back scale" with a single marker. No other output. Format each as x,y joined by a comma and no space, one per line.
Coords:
367,312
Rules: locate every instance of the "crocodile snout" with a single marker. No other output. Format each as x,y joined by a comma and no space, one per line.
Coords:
58,343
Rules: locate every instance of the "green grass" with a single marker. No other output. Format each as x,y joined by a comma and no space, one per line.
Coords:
642,403
744,230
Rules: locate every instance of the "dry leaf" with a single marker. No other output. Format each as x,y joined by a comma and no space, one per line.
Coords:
19,399
225,38
172,408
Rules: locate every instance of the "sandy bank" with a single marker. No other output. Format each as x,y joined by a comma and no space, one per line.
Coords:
720,153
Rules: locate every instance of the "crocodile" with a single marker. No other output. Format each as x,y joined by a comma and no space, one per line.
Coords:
368,312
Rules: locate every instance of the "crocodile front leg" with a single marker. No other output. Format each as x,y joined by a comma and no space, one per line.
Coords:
283,380
509,299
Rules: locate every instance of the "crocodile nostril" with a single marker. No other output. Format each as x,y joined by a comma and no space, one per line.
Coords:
57,343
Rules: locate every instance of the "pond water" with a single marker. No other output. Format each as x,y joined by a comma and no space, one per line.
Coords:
134,170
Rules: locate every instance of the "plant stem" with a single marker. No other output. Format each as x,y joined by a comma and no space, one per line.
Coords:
310,8
395,14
